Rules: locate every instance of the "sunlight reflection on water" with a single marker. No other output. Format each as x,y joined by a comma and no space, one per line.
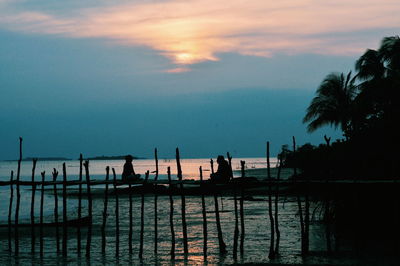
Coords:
190,167
256,243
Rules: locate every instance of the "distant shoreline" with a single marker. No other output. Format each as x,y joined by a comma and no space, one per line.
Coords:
118,157
40,159
95,158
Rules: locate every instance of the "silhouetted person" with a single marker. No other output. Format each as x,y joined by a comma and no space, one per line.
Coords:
128,172
224,173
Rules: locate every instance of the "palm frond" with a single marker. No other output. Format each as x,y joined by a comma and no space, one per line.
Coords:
369,65
332,102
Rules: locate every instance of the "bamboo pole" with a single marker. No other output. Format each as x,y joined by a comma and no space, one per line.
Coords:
278,233
241,202
142,218
183,204
299,200
103,227
10,210
33,207
116,214
90,208
221,243
236,230
203,205
16,237
55,174
78,238
171,214
155,205
65,231
41,214
271,254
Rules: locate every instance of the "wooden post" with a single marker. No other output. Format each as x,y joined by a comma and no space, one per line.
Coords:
242,169
78,238
41,214
130,218
230,163
10,210
222,246
16,238
142,217
327,199
90,208
155,205
65,232
236,230
271,254
183,204
33,207
103,227
171,214
278,233
298,200
203,205
55,174
116,214
212,172
241,202
327,220
306,220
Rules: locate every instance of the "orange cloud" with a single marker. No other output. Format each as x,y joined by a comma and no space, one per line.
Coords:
177,70
189,32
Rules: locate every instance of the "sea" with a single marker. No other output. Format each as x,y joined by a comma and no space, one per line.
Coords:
256,222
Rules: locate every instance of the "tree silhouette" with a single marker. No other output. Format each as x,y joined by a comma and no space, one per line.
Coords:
332,104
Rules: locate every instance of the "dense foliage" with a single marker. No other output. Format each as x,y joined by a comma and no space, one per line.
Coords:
366,107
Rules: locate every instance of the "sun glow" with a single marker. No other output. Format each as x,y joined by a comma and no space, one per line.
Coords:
184,58
199,30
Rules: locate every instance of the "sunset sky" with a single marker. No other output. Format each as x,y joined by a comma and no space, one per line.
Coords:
116,77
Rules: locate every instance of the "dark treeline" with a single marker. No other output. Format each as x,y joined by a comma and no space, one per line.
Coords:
366,107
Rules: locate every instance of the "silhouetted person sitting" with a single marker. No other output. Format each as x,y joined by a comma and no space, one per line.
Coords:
224,173
128,173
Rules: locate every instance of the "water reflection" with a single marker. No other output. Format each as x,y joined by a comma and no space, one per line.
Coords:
256,242
190,167
255,246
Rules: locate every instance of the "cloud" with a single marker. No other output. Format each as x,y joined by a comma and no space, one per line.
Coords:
189,32
178,70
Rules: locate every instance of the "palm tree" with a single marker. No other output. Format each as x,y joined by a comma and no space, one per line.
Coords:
379,74
333,103
383,63
390,54
340,102
369,66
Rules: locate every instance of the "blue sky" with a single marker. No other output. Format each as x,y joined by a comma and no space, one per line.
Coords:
82,78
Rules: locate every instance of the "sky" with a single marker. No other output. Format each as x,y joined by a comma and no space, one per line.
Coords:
117,77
